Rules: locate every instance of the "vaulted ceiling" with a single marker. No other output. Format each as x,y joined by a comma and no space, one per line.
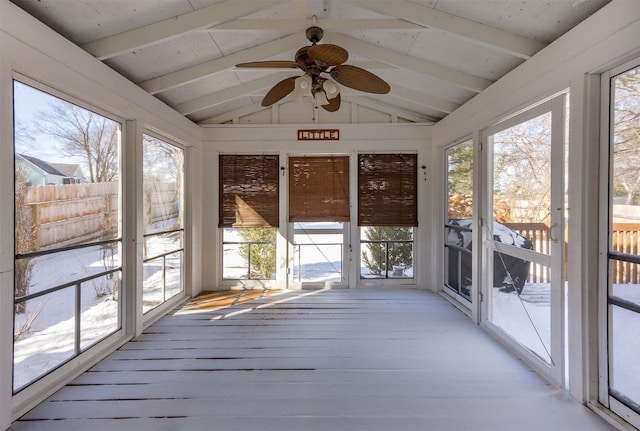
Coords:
435,54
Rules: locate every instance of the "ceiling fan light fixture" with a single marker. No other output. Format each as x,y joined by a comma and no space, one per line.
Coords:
330,88
304,82
321,98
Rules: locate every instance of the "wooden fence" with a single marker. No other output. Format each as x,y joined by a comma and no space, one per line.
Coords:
625,238
75,213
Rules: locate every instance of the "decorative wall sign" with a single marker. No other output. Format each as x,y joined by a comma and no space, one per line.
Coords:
318,134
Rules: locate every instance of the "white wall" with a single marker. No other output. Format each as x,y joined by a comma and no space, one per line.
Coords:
607,38
30,49
280,139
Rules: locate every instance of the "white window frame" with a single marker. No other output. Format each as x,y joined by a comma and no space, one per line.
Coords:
22,400
604,317
161,309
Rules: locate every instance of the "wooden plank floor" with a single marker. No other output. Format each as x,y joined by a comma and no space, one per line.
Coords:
389,360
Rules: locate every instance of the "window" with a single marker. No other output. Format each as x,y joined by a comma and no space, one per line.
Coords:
387,213
68,261
458,228
249,216
163,201
387,252
317,252
318,216
623,244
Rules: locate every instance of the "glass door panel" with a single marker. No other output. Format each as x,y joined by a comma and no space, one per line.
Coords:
458,228
524,244
623,256
318,249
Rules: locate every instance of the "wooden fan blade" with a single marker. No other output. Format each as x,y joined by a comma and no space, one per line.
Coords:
280,90
334,104
331,55
272,64
360,79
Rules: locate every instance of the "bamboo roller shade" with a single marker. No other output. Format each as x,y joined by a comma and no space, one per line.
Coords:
319,189
249,191
387,190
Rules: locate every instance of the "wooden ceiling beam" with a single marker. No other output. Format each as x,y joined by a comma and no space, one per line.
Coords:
358,100
400,60
423,99
228,94
389,109
235,114
173,27
293,25
504,41
200,71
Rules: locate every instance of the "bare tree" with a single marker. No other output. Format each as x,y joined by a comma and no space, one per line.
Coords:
522,169
626,139
87,135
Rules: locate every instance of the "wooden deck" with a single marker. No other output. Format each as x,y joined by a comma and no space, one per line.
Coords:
391,360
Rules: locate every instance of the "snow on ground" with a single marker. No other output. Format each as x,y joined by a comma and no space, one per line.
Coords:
50,341
526,317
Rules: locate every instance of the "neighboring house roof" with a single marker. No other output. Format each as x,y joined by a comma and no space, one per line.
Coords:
44,166
67,169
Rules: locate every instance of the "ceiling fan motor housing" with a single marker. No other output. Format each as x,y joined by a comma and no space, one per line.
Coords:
314,34
302,58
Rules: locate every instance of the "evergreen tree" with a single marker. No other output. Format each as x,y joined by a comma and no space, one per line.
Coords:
400,254
263,251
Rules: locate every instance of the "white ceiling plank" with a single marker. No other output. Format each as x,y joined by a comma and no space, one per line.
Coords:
400,60
173,27
513,44
420,98
326,24
232,115
244,89
388,109
191,74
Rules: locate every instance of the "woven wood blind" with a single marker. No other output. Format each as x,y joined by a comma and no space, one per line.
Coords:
249,191
387,190
319,189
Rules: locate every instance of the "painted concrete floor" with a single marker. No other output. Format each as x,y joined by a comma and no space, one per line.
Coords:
391,360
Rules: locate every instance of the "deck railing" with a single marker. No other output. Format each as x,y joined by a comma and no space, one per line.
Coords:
538,234
625,238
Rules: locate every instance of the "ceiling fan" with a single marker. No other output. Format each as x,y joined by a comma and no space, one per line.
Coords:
322,65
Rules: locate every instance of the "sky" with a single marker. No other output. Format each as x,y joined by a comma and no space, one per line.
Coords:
27,104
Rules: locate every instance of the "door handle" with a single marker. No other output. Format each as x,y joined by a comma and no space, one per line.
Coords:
555,225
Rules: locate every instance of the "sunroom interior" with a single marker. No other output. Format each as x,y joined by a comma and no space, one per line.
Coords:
141,167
